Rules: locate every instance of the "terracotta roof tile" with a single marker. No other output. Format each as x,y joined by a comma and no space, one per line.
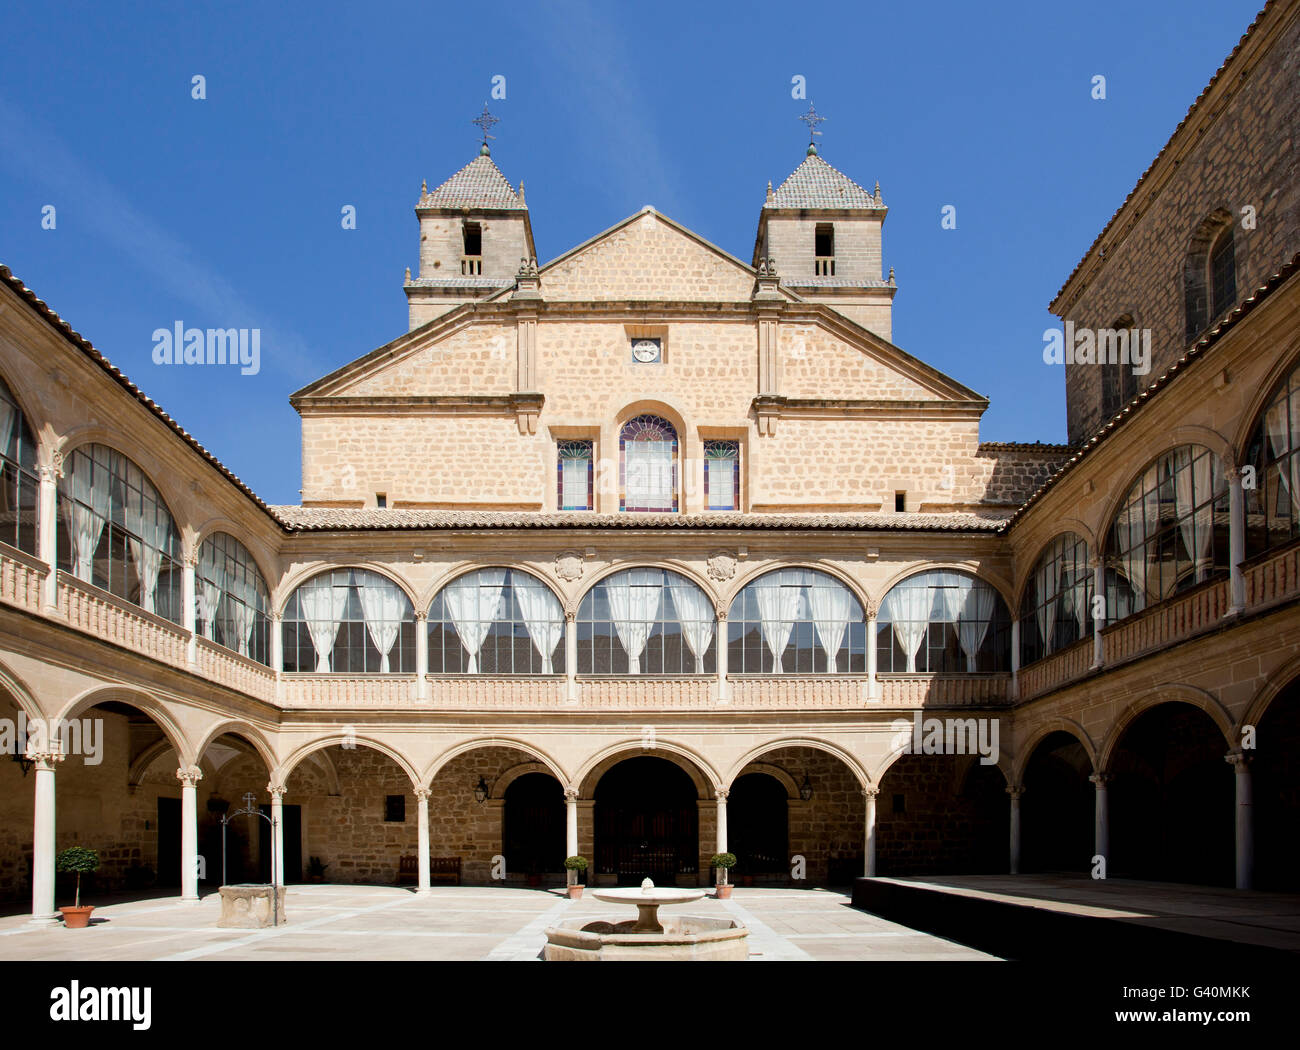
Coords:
479,184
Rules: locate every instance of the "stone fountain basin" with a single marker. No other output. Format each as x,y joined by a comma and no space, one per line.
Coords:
685,938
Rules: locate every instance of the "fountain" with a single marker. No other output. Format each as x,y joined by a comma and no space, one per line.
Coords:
686,937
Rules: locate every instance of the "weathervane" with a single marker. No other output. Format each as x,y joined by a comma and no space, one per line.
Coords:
486,121
812,118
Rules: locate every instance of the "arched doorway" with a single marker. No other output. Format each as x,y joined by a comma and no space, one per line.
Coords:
758,825
1276,794
647,823
1172,798
533,832
1058,810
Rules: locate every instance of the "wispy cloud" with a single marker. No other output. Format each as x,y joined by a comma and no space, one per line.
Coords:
40,156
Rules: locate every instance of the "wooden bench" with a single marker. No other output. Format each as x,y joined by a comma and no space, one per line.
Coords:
441,869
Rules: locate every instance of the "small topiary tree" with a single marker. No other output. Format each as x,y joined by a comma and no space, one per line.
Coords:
723,861
79,860
574,865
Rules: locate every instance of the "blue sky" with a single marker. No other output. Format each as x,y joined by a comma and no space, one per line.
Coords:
226,212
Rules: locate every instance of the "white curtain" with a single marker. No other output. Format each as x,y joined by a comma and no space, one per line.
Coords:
1047,580
86,512
149,524
696,614
8,415
1192,486
383,605
542,614
474,603
209,596
239,624
1279,436
977,604
649,482
778,594
907,609
322,606
1136,523
831,605
634,598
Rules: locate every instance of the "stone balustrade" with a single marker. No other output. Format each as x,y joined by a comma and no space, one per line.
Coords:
21,578
116,620
1065,665
218,664
944,690
348,690
1180,617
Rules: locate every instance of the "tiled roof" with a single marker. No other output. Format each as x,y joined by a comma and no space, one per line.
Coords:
307,519
815,184
461,282
479,184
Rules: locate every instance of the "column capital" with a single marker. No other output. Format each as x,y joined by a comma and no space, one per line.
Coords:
276,790
1015,791
421,615
1240,759
720,613
722,794
570,795
47,756
871,793
570,614
1101,779
1234,473
189,776
422,794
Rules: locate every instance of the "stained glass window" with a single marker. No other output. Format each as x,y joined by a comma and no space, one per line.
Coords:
574,466
648,465
722,475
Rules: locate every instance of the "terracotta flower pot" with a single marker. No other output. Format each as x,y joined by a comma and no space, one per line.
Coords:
575,892
77,918
724,891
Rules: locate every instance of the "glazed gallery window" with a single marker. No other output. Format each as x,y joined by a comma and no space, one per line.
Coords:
19,487
231,597
796,621
1056,610
943,622
349,621
1170,533
116,533
722,475
647,448
574,466
646,621
1273,505
496,621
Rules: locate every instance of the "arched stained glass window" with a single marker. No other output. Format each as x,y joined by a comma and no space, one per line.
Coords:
496,621
796,621
232,603
349,621
647,448
646,621
19,487
1056,610
1170,533
944,622
116,531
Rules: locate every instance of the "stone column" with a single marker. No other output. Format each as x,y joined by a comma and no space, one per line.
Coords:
1015,791
422,801
1236,544
47,544
570,822
873,683
189,776
721,839
1245,823
571,655
1098,622
43,910
1101,825
1015,658
277,643
720,630
869,832
421,656
189,604
276,792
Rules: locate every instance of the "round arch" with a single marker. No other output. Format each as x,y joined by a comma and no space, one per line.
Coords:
855,767
284,592
256,550
170,492
1288,361
1163,694
503,782
427,596
775,772
246,732
1276,683
286,768
854,586
20,693
667,564
702,774
548,764
40,426
1079,528
1040,733
620,413
902,746
1115,499
994,580
144,702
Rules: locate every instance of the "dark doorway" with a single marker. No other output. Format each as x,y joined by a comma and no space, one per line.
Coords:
533,830
1058,809
169,842
1172,799
1276,794
646,821
292,845
758,825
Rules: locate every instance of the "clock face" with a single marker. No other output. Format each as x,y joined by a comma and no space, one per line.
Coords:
646,351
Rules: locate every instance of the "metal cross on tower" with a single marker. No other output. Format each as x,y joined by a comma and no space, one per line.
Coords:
486,121
812,118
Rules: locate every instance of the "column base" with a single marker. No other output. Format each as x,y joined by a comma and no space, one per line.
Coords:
424,891
53,919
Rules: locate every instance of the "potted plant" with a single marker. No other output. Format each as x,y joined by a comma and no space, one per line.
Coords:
722,862
315,870
80,861
573,865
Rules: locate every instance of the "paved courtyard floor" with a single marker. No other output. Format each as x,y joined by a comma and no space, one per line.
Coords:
370,923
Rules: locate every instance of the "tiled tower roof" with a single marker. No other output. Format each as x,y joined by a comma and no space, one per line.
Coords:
816,184
479,184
